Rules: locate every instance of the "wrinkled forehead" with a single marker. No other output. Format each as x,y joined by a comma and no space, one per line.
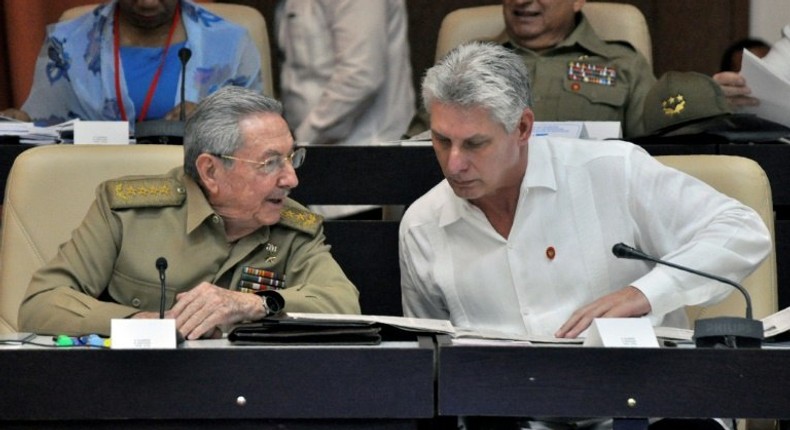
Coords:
266,132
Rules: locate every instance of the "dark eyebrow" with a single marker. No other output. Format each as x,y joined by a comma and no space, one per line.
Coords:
438,135
474,139
272,153
478,139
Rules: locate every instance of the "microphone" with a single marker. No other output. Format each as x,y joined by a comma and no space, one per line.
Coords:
184,54
731,332
161,266
163,131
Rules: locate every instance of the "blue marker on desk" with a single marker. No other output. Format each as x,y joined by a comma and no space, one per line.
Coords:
92,340
89,340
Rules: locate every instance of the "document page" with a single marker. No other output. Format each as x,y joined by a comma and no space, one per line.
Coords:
772,90
773,325
414,324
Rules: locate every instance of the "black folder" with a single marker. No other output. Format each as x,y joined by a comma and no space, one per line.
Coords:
303,332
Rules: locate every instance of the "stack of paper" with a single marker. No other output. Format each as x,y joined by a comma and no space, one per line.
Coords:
31,134
772,90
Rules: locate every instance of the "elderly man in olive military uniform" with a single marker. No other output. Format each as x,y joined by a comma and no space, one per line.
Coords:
576,76
224,223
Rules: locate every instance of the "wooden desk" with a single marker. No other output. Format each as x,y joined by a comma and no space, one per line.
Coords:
614,382
389,386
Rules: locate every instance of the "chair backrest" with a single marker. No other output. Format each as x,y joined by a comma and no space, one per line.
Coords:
612,21
242,15
744,180
48,192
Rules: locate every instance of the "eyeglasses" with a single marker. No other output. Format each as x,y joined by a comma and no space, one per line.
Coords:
275,163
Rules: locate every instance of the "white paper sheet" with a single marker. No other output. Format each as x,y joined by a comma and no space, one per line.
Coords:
772,90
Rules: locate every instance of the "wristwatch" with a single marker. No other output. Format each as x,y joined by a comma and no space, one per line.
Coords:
272,302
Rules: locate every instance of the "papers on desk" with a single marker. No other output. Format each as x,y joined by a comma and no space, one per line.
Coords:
777,323
433,326
773,325
416,326
772,90
29,133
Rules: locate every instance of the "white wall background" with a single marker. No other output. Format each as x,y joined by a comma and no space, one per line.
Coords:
767,17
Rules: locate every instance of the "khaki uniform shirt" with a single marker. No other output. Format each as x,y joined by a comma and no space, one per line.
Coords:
559,96
108,268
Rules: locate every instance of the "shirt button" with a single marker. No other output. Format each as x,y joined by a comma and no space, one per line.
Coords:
136,302
181,190
215,219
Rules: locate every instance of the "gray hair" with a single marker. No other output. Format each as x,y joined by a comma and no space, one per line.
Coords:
213,127
479,74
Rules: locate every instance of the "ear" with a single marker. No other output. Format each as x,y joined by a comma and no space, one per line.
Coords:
525,126
210,169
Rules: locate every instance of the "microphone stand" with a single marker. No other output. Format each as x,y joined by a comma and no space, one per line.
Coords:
161,266
717,332
161,131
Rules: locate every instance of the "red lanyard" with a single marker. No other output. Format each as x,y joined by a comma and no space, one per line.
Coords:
155,80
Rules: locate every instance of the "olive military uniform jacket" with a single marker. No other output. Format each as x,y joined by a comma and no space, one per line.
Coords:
108,268
587,79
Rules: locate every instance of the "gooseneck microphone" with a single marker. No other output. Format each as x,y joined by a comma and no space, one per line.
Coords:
731,332
163,131
184,54
161,266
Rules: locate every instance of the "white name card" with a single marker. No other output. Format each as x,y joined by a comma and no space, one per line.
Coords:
622,333
143,333
101,132
558,129
601,130
593,130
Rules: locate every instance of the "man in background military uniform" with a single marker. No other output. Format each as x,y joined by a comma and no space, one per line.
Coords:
237,247
576,76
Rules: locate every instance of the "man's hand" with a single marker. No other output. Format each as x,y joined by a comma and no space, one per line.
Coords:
628,302
735,89
175,114
200,311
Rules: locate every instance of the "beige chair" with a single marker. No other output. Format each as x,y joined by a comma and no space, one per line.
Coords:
612,21
744,180
242,15
48,192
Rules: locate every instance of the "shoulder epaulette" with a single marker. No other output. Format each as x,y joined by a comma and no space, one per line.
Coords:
300,219
145,192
